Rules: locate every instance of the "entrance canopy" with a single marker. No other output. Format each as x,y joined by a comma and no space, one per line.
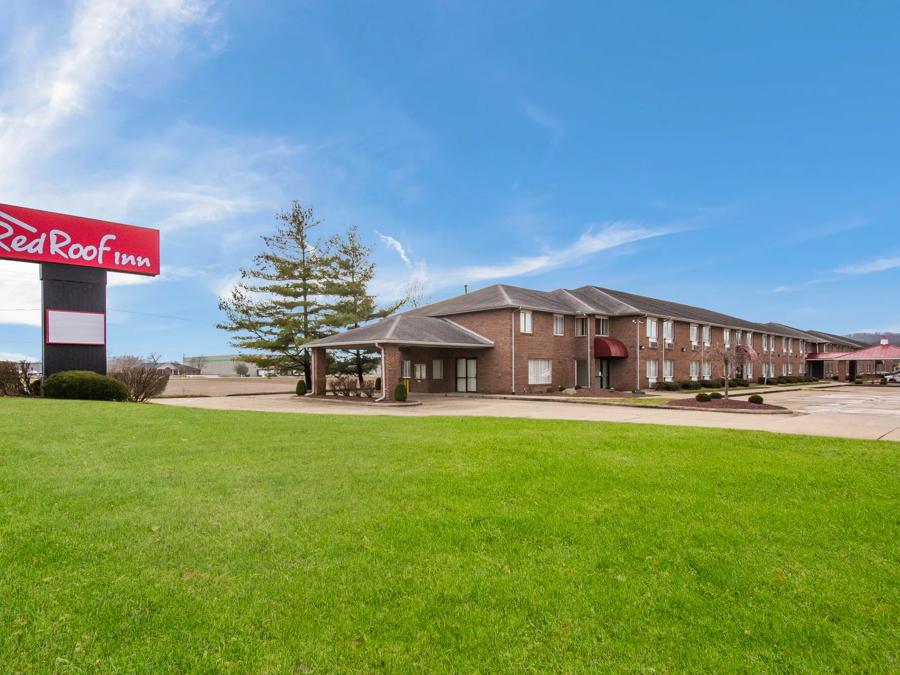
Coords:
609,348
749,351
406,329
882,352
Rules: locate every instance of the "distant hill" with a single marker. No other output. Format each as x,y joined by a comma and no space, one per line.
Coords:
875,338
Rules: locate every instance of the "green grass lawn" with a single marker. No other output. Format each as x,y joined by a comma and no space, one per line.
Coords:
149,538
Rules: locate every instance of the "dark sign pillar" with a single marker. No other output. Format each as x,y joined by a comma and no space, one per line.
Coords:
68,288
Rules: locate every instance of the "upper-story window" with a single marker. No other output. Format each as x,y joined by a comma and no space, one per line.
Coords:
802,347
695,334
525,321
559,324
669,332
738,336
790,346
581,326
601,326
726,337
652,331
706,332
783,344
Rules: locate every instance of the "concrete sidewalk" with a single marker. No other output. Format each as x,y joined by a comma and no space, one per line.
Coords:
829,413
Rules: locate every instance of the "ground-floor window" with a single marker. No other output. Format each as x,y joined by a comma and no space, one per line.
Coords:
707,370
790,368
784,370
437,370
420,373
466,373
668,370
406,369
748,371
695,370
652,371
539,371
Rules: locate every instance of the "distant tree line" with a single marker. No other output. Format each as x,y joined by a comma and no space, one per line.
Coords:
301,288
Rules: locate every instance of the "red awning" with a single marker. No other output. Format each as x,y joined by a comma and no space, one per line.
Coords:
609,348
824,356
749,351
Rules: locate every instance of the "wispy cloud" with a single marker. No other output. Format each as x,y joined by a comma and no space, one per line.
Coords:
543,119
877,265
392,243
597,238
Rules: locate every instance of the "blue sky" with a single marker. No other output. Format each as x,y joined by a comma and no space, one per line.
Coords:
738,157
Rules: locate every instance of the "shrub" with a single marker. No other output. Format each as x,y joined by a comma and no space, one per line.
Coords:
703,397
756,398
883,380
712,384
301,387
715,395
763,380
400,392
668,386
689,384
738,382
85,385
15,381
142,382
378,383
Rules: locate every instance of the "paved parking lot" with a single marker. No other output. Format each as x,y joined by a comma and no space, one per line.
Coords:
852,412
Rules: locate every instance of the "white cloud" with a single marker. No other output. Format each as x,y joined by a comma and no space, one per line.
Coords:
17,356
877,265
20,301
594,240
392,243
543,119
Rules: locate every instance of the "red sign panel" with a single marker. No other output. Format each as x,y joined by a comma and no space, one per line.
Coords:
42,236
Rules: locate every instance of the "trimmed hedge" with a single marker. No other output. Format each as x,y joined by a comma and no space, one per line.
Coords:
400,392
755,398
712,384
668,386
738,382
715,395
703,397
301,387
689,384
84,385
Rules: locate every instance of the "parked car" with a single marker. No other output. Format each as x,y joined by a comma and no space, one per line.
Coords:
893,377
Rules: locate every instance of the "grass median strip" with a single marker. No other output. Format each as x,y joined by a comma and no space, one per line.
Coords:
148,538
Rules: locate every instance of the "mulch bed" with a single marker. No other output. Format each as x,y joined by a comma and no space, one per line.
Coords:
590,393
725,404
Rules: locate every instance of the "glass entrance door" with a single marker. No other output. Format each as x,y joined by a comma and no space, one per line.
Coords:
466,375
601,373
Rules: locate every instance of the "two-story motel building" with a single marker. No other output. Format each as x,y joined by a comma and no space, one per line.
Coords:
504,339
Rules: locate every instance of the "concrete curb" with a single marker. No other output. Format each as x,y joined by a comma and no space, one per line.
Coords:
383,404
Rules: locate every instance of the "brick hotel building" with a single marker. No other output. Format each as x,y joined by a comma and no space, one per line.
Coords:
504,339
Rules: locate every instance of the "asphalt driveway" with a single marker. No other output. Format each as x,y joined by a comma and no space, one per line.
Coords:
851,412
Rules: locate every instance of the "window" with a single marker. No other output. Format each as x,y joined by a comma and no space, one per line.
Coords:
738,337
539,371
420,373
695,334
784,344
525,321
784,369
707,370
802,347
601,326
559,324
726,337
668,370
406,369
695,370
437,370
790,345
748,371
652,371
750,338
790,368
652,331
581,326
669,332
706,331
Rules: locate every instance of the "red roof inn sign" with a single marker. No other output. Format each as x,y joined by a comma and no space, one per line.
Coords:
40,236
75,254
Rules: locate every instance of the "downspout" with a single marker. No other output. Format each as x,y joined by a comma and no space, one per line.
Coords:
590,346
383,375
513,342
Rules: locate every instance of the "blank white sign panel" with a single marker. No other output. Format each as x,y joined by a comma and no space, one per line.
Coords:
75,328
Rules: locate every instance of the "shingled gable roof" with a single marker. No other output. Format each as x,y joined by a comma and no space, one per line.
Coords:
837,339
498,296
790,331
406,329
